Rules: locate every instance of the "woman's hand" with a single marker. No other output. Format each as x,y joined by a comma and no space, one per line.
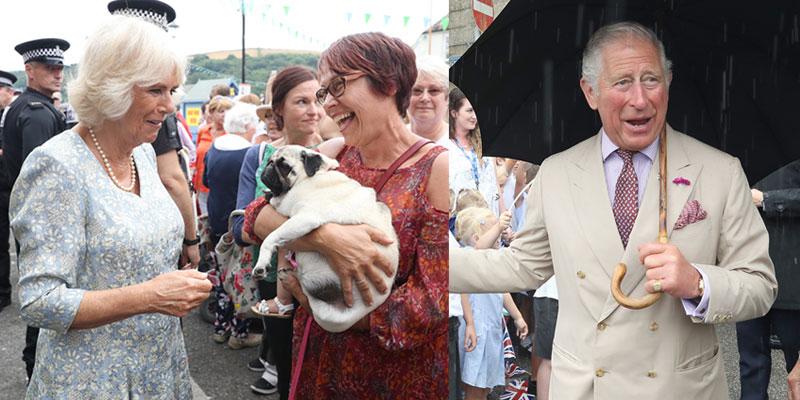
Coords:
522,327
190,257
470,338
350,251
177,293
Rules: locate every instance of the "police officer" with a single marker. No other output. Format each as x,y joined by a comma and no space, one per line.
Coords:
7,81
32,120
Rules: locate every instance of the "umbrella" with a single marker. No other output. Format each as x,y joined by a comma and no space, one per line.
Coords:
736,75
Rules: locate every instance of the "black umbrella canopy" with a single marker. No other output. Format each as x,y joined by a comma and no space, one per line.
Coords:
735,86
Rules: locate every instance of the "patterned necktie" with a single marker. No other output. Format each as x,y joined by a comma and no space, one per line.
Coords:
626,197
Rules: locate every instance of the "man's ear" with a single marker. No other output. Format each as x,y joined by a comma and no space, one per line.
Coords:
311,162
29,69
589,93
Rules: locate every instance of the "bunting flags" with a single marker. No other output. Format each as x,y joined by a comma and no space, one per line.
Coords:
294,22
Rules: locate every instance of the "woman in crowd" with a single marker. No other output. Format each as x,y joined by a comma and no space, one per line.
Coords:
428,107
213,129
468,167
223,162
99,234
399,349
297,114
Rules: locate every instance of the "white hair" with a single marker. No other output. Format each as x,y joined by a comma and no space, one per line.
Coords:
592,65
240,117
121,54
435,68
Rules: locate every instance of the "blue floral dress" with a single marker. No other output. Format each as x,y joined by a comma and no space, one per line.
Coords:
79,232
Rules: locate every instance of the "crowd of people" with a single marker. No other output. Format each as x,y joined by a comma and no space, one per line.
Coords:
124,185
116,280
569,233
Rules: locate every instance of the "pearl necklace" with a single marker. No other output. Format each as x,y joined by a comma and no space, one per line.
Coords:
110,171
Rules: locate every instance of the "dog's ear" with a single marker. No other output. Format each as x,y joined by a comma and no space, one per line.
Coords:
311,162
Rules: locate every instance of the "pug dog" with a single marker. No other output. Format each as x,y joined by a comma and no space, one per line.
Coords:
306,188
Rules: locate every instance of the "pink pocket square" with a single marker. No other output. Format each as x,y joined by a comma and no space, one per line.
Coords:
692,212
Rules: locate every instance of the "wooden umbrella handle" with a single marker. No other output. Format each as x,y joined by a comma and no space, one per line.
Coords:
622,299
621,269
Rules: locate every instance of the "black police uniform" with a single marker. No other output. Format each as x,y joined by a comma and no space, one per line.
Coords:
7,79
168,138
32,120
5,259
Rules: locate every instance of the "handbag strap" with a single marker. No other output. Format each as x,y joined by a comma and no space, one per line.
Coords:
397,163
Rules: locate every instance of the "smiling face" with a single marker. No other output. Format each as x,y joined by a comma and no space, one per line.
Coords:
150,106
428,101
301,112
360,111
464,117
632,93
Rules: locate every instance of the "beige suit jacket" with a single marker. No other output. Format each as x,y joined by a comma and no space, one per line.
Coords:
604,351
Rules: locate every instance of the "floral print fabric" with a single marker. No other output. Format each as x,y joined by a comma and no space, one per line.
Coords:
78,232
404,355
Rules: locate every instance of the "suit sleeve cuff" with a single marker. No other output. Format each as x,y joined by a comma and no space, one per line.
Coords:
694,308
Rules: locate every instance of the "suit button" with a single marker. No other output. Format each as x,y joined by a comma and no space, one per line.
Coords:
602,326
581,275
654,326
599,373
651,374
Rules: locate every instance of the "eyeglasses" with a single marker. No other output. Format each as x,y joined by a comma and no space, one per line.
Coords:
336,86
433,91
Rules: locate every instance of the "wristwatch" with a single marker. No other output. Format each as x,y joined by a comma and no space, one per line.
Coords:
191,242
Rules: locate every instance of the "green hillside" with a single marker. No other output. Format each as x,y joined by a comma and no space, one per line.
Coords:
257,68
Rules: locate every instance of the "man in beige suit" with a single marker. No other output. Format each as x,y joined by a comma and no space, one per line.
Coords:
715,269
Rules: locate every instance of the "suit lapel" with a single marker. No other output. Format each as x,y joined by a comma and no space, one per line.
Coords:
589,192
645,229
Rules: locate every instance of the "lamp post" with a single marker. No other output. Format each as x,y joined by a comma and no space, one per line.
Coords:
243,48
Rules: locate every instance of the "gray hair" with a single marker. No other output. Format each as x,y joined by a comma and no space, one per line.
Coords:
121,54
238,118
435,68
592,64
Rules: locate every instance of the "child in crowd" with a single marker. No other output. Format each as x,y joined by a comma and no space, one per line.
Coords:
457,314
482,362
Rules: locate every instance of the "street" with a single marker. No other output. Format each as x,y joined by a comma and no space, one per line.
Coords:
217,372
220,373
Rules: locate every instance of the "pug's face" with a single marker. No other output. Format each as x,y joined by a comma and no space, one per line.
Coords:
292,164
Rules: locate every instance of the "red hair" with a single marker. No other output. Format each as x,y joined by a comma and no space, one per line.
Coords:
388,63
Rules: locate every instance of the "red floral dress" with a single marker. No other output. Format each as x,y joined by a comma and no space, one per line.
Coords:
404,355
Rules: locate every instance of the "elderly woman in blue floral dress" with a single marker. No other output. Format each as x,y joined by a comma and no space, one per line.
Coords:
99,234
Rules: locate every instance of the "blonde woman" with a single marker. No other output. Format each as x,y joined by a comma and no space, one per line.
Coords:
99,234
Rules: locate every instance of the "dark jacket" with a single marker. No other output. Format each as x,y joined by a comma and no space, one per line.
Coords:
781,213
32,120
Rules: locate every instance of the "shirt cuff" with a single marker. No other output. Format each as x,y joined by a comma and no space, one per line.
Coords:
694,308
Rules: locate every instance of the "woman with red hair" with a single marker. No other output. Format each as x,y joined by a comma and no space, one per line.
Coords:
399,350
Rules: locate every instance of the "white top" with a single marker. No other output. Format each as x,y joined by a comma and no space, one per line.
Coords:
461,174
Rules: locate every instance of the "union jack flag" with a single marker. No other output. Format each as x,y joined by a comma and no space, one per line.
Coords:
512,369
517,389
